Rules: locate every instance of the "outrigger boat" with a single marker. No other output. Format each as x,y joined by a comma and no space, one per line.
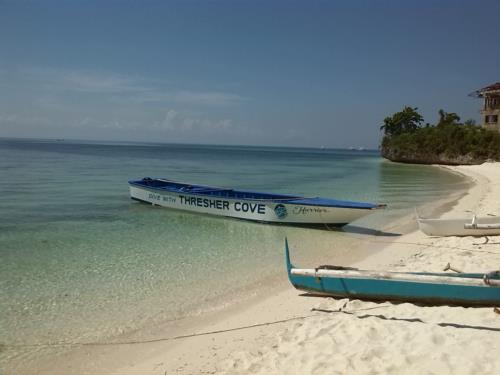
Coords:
466,289
249,205
475,226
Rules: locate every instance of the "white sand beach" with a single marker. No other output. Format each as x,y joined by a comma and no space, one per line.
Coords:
383,338
282,334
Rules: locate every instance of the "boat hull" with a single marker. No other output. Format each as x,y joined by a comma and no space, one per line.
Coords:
269,211
457,227
426,288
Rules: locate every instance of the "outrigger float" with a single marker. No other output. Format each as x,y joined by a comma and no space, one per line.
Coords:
465,289
249,205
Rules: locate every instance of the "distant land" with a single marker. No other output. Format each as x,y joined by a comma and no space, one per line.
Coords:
448,142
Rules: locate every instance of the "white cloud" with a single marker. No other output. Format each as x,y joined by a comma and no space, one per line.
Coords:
85,121
8,118
170,122
211,98
20,120
191,98
131,89
76,80
176,121
49,102
76,102
100,83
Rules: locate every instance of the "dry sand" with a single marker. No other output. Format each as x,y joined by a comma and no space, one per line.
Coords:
384,338
282,334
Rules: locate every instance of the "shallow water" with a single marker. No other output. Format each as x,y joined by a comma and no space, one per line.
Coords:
80,261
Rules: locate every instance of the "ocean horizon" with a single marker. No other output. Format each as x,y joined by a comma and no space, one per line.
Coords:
81,262
358,148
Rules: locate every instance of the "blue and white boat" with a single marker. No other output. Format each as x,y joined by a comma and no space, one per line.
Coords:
248,205
465,289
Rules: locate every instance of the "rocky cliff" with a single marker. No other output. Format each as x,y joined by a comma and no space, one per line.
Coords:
419,157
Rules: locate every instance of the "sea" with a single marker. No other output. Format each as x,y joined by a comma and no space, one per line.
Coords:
81,262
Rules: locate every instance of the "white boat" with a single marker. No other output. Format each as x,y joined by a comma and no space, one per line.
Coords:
248,205
475,226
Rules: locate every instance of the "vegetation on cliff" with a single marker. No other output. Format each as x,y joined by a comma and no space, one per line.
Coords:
448,142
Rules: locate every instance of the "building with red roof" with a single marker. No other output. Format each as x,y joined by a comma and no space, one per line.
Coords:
491,106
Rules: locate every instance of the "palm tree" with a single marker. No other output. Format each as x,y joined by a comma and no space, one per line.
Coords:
446,118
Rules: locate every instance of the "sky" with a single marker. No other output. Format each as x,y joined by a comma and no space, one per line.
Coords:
245,72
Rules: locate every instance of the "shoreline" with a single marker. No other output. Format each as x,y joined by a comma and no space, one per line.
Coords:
203,354
422,339
297,345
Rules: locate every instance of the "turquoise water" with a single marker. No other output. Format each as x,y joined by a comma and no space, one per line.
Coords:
80,261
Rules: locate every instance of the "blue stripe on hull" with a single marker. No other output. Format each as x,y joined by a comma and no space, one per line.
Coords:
373,289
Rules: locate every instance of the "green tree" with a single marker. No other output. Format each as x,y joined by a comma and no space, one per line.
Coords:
406,121
447,142
446,118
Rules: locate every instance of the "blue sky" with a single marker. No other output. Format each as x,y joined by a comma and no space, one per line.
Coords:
294,73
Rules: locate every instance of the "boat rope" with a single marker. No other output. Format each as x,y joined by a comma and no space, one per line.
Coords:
172,338
340,310
135,342
430,245
325,224
425,245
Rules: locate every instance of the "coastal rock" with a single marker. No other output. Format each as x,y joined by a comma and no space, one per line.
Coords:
416,157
